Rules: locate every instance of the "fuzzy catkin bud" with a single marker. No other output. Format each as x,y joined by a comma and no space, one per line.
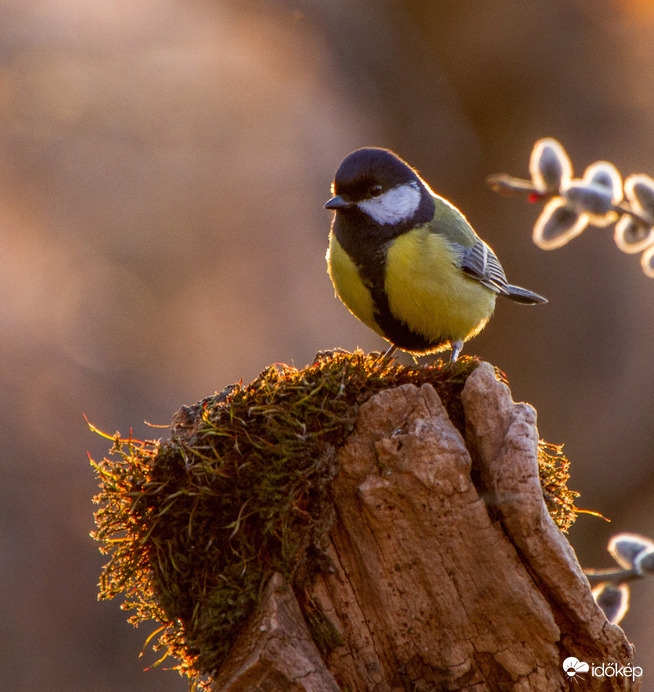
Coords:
596,193
557,225
639,190
647,262
625,548
644,562
632,235
592,199
549,166
613,600
606,175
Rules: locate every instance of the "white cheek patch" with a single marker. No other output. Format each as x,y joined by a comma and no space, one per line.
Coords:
398,204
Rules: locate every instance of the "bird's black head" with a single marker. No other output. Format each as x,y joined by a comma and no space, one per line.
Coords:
370,172
381,186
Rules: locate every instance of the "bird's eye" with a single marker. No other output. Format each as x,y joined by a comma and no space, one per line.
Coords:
375,190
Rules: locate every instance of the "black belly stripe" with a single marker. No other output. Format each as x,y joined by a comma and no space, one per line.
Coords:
398,332
366,242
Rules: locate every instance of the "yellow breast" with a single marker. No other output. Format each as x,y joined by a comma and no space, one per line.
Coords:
349,287
430,293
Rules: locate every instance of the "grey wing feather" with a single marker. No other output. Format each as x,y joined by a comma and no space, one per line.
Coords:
480,263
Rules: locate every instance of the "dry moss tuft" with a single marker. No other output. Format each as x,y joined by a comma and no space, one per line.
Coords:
553,470
195,525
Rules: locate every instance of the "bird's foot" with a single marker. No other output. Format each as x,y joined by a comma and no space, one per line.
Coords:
456,349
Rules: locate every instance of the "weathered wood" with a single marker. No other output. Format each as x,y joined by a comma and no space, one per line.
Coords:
449,573
274,650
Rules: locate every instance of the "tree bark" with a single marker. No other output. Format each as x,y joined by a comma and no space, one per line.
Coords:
448,572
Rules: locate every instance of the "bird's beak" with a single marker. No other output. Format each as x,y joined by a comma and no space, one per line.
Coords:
339,202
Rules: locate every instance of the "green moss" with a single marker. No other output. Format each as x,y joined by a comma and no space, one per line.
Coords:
194,526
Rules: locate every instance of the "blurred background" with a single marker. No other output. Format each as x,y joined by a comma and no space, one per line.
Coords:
163,166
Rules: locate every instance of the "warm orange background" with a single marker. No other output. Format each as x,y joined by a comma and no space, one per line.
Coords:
163,166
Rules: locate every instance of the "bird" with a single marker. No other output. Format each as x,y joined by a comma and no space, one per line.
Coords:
406,262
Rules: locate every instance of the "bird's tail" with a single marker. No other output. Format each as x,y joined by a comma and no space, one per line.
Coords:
522,295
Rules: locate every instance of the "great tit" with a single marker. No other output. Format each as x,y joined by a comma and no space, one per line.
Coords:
406,262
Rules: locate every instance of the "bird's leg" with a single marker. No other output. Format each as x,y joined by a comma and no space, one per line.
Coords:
390,351
381,359
456,349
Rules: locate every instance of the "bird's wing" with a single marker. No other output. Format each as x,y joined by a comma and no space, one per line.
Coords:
471,253
479,262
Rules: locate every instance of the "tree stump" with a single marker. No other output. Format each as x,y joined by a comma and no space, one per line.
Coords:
447,572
